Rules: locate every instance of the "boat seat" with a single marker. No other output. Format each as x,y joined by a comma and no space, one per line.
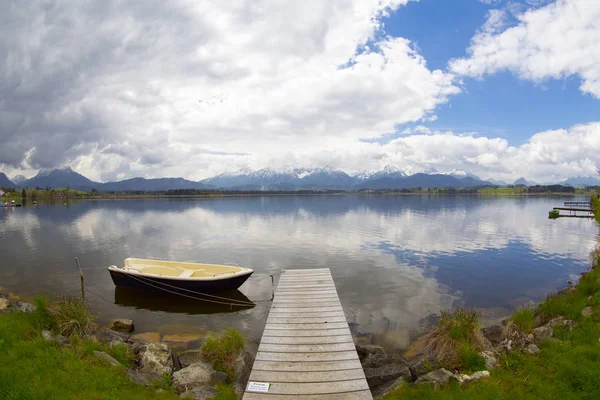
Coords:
187,273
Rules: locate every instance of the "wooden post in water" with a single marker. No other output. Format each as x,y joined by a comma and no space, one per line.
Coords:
80,278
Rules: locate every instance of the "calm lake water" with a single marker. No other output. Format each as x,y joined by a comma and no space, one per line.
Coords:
396,260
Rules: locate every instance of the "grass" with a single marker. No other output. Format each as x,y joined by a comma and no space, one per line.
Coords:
565,371
222,350
524,319
457,340
33,368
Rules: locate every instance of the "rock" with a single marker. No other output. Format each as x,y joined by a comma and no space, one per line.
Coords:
590,300
25,307
105,335
189,357
156,359
146,337
58,339
138,378
200,393
195,376
491,361
558,321
136,347
480,375
463,379
379,376
365,350
183,341
4,303
514,339
569,324
243,366
587,312
107,357
115,343
533,349
421,367
541,333
437,378
493,334
47,335
121,325
388,388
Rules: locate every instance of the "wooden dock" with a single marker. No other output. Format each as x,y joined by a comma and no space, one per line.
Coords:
306,351
574,209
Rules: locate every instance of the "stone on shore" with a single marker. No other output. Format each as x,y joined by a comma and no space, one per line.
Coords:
542,333
382,368
493,334
587,312
107,357
105,335
58,339
25,307
124,325
569,324
156,360
437,378
201,393
146,337
243,367
491,361
533,349
183,340
195,376
364,350
138,378
388,388
558,321
463,379
4,303
189,357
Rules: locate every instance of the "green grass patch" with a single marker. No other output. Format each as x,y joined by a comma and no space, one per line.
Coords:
225,392
221,350
33,368
524,319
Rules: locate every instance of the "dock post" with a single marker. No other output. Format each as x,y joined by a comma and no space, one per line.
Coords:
80,278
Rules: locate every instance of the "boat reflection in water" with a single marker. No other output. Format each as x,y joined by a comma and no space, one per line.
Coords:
231,301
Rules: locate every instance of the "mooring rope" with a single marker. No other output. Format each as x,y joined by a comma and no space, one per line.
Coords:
230,303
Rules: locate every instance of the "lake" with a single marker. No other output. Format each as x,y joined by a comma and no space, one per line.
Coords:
396,260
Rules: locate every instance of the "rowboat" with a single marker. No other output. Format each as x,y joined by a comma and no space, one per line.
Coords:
178,277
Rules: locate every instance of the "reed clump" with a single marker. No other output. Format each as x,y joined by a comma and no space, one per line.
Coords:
222,350
456,341
70,316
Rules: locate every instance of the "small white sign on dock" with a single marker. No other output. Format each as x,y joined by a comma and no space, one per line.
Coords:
261,387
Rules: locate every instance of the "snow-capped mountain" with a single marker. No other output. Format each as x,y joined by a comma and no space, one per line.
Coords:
18,180
460,174
282,177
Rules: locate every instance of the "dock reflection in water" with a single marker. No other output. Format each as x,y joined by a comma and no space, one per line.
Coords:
232,301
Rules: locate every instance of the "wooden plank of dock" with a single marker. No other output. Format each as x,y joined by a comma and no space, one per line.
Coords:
573,209
306,351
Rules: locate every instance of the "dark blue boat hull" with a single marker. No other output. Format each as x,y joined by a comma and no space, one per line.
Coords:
122,279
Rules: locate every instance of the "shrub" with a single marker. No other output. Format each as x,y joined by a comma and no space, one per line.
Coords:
457,330
72,316
471,360
524,319
221,350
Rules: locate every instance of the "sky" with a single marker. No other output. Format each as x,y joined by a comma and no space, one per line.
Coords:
187,88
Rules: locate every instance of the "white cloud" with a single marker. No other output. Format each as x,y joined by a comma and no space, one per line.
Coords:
183,88
556,41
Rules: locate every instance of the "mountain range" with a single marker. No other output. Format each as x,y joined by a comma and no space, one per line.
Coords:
286,178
